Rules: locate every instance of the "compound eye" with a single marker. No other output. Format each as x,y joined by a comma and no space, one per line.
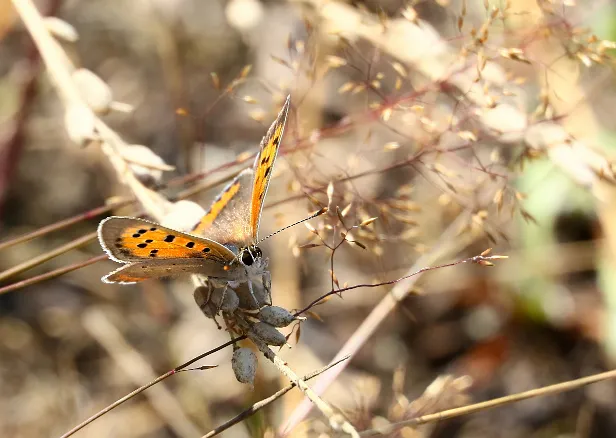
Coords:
247,258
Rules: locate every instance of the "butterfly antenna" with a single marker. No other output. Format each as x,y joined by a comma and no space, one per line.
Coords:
318,213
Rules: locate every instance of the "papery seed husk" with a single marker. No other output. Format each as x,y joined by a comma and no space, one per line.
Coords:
244,365
201,295
79,123
268,334
94,90
61,29
144,162
276,316
121,107
183,216
202,298
225,299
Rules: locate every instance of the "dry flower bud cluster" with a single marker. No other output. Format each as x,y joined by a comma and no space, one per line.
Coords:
236,305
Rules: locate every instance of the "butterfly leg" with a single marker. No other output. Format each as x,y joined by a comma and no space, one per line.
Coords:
223,294
252,293
266,279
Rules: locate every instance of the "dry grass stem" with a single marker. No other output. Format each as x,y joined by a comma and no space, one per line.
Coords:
494,403
51,274
267,401
136,368
447,245
81,241
336,419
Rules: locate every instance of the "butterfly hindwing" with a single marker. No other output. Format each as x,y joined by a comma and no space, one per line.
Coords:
163,268
128,239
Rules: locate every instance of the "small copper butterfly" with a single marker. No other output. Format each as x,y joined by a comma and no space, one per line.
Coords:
222,246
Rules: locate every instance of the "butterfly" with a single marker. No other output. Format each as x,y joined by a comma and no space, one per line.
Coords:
221,246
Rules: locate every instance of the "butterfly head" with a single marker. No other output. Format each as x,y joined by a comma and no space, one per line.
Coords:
250,255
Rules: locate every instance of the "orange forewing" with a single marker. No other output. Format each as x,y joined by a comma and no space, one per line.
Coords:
129,240
264,165
153,242
219,204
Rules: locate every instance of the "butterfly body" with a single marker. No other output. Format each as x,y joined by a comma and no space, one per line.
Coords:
221,247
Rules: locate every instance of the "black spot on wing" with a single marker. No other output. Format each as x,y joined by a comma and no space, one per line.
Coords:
142,245
169,238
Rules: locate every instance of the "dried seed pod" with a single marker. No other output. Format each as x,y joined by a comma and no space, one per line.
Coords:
183,216
145,164
276,316
79,123
268,334
225,299
94,90
244,364
61,29
202,298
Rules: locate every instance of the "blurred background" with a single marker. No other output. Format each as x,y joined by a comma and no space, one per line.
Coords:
460,125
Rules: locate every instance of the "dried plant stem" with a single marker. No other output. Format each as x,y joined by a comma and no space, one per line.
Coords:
475,259
60,68
117,403
336,419
205,185
64,223
148,385
267,401
449,243
51,52
51,274
12,139
476,407
439,62
47,256
152,202
135,367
